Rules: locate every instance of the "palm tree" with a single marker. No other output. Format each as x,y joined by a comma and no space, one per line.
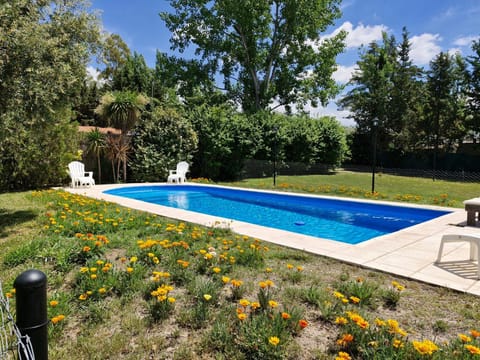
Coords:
96,145
121,109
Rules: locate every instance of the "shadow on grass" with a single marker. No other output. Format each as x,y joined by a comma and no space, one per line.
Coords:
11,218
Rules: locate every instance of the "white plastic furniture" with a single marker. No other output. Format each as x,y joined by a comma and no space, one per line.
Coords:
474,241
179,175
79,176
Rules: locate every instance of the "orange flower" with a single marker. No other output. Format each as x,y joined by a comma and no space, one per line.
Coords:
345,340
303,323
285,316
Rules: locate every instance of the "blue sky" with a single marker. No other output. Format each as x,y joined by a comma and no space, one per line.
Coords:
434,26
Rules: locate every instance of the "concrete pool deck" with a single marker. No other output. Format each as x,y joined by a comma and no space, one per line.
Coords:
409,253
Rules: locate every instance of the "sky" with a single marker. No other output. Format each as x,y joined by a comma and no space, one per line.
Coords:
433,26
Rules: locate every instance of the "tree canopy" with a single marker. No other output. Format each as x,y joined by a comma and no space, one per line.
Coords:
269,53
45,47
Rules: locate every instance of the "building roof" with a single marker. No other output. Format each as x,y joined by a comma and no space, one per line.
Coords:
103,130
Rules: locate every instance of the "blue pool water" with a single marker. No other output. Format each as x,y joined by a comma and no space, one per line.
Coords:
341,220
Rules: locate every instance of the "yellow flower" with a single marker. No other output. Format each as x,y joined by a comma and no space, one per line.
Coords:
464,338
102,290
473,349
171,300
425,347
380,322
289,266
244,302
397,343
129,269
268,270
272,303
57,319
343,356
93,276
207,297
236,283
345,340
133,259
53,303
216,270
83,297
341,320
273,340
255,305
354,299
338,295
242,316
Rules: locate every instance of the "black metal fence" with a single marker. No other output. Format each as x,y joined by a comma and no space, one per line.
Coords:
263,168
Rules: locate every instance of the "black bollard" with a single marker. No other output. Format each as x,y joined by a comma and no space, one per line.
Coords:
31,303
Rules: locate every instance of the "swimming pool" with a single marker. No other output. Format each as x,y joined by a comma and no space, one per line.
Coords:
342,220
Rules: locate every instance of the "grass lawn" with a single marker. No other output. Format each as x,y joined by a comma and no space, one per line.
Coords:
123,284
387,187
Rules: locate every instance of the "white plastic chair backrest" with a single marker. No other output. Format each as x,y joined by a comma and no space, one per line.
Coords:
182,168
76,169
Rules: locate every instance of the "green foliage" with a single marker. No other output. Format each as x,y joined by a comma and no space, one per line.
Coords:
41,40
300,139
163,138
264,50
225,139
133,75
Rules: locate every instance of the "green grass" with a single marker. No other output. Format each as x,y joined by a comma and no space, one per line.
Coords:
387,187
208,274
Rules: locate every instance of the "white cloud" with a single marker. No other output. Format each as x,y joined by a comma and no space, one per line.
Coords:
343,73
360,35
424,48
93,73
465,41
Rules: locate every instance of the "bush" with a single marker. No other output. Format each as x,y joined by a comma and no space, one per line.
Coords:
161,139
226,139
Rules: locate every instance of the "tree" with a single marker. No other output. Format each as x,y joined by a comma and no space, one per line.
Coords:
96,145
268,52
405,107
369,100
115,53
445,117
162,139
473,88
133,75
44,52
122,109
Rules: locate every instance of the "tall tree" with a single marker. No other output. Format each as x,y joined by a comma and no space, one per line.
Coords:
406,98
133,75
44,52
268,52
369,100
473,88
445,105
115,53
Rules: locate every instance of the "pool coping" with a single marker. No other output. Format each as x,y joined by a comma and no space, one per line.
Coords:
409,253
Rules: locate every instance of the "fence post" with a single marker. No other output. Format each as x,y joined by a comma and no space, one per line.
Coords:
31,304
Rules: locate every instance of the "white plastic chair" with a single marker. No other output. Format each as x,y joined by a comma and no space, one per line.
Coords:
179,175
474,241
79,176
